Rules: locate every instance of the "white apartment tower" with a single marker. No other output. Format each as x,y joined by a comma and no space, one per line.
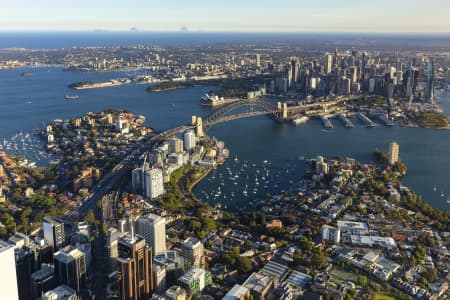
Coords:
153,182
153,228
189,140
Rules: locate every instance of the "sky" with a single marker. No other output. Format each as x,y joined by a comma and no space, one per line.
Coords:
227,15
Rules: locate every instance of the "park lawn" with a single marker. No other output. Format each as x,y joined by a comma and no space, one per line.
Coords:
383,296
344,275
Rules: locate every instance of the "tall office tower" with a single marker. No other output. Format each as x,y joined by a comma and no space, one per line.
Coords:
70,267
153,229
408,82
7,272
336,56
24,267
295,69
328,63
364,61
42,280
289,75
135,268
112,244
189,140
54,234
159,279
153,182
258,60
392,71
136,180
417,78
192,252
394,149
430,85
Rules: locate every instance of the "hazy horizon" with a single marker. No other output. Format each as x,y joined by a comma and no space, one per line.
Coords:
284,16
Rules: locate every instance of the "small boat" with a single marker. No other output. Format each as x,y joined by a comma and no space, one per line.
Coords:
71,97
434,188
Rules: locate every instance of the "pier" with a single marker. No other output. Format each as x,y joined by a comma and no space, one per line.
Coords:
345,121
326,122
384,119
368,122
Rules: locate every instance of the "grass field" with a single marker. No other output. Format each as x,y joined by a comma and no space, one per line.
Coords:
343,275
383,296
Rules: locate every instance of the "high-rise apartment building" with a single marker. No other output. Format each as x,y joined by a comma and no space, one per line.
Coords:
189,140
393,153
54,234
192,252
153,229
153,182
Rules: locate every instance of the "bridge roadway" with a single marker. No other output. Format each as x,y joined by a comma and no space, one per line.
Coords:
115,176
266,108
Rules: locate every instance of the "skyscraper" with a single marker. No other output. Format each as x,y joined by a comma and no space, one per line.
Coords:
8,272
153,228
153,182
70,267
192,252
258,60
430,85
24,267
328,63
54,234
393,153
135,268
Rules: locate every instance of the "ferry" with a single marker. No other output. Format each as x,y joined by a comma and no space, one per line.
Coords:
71,97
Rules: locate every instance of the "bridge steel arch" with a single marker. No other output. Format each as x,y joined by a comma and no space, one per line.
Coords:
221,114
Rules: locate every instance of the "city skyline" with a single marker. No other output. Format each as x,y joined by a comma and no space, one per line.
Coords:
231,16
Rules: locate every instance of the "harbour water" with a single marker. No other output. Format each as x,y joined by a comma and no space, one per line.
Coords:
264,155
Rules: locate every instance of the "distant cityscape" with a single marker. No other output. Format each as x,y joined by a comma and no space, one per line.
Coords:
114,216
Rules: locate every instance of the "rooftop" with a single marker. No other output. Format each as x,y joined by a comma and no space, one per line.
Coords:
60,292
237,292
68,254
351,224
191,242
258,283
299,279
194,273
4,246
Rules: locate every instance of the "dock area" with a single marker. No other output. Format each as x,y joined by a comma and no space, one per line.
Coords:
326,123
345,121
368,122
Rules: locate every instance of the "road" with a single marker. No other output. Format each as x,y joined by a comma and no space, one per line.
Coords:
115,176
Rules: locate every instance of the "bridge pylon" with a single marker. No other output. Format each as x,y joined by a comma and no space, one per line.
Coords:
199,128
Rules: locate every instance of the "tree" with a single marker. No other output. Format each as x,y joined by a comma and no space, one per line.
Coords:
431,274
244,264
318,260
90,219
362,280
